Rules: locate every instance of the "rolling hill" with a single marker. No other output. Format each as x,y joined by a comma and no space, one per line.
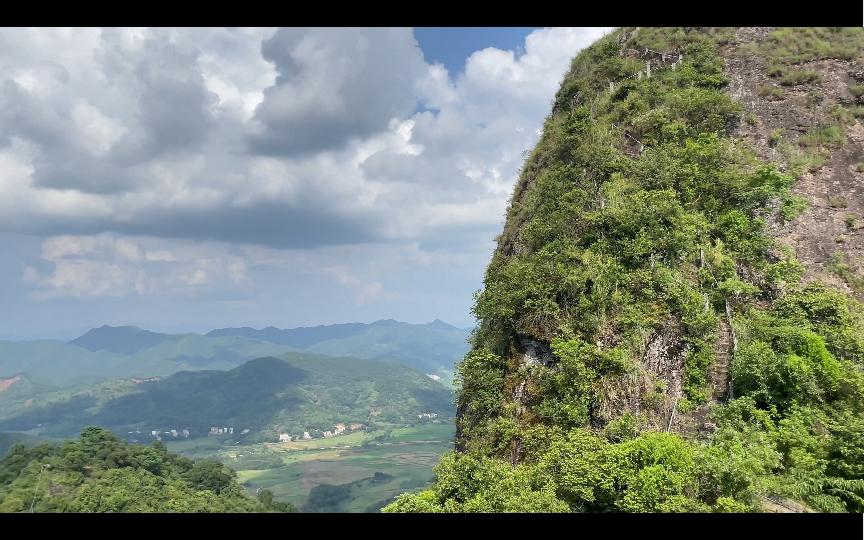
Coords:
68,365
126,340
299,391
126,351
303,337
432,348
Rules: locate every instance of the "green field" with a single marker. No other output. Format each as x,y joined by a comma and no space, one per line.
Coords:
404,461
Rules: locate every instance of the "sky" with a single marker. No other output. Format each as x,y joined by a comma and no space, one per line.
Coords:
182,180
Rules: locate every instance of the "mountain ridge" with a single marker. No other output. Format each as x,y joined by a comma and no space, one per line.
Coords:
297,390
126,340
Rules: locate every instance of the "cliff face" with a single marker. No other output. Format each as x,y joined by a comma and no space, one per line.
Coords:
680,274
832,225
794,104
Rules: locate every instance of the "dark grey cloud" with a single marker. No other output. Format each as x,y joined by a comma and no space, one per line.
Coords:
60,162
292,138
267,223
174,109
334,85
169,178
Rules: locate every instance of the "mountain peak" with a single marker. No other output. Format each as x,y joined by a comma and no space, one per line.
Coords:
438,324
126,340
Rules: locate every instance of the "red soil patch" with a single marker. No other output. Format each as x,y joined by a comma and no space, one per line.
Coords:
28,402
6,383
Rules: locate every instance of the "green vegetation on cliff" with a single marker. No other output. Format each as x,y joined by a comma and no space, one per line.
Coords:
638,220
100,473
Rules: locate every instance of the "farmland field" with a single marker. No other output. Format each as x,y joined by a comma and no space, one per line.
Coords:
358,472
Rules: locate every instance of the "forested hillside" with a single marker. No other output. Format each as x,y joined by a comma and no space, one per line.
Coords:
298,391
58,364
671,321
100,473
433,348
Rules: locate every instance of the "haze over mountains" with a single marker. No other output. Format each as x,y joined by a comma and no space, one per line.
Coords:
126,351
128,378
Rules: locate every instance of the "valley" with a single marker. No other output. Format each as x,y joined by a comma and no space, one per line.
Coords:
358,472
322,430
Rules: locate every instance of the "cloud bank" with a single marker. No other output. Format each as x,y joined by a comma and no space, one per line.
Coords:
122,150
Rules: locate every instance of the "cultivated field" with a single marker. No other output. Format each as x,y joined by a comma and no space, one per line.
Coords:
406,458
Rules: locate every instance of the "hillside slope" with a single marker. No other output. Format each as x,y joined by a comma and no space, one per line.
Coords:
126,340
297,391
69,364
432,348
303,337
671,321
100,473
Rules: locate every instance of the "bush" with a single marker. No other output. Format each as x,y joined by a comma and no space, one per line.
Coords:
794,78
839,266
823,135
777,135
770,92
815,97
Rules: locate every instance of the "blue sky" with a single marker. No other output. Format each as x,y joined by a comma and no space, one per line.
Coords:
452,45
187,179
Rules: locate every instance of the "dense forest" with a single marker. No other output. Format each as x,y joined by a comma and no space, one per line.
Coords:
642,252
100,473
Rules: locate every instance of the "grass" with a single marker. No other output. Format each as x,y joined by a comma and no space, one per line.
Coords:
810,160
795,78
771,92
776,70
796,45
849,273
837,202
828,135
776,136
815,97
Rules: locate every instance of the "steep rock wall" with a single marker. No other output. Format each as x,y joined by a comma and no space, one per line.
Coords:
773,117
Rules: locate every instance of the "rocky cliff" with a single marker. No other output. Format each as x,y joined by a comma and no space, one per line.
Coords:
680,274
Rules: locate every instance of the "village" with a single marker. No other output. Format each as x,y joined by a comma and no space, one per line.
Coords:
173,432
338,429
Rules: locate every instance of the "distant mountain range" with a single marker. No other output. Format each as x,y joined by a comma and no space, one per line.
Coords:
303,338
126,351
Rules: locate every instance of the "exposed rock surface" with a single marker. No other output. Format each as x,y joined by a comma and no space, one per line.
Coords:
834,193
